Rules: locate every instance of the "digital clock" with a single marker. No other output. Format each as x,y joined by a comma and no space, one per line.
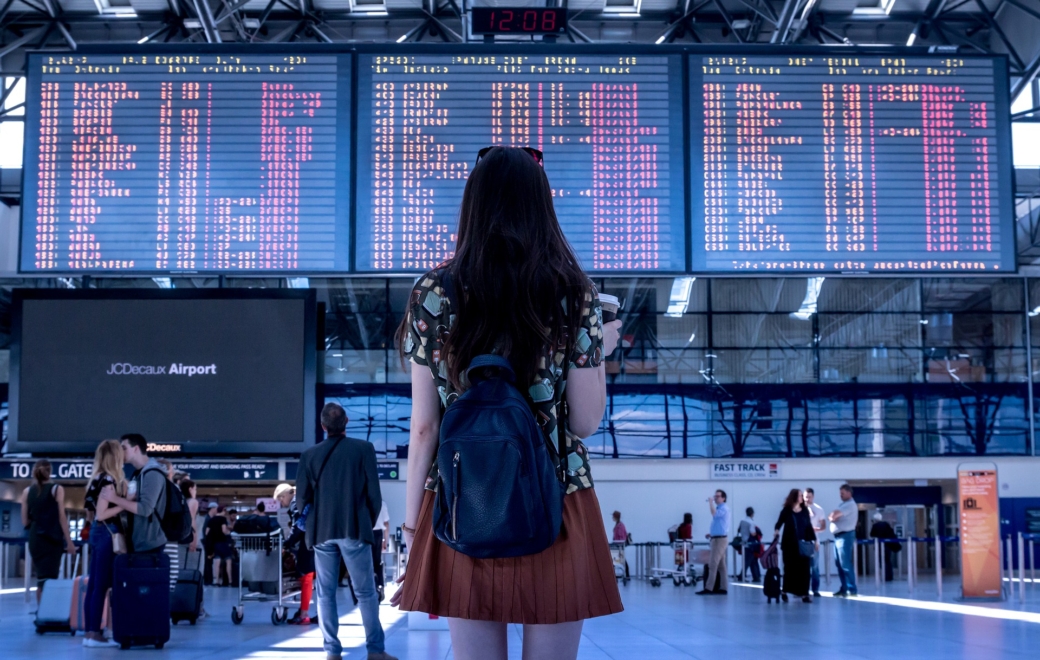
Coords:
518,20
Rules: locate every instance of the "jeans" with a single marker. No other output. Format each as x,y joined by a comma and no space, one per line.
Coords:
844,544
750,551
357,555
814,572
101,569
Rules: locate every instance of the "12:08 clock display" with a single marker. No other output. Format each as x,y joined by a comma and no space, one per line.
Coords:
524,20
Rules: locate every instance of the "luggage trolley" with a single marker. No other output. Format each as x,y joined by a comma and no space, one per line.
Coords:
685,572
617,556
260,560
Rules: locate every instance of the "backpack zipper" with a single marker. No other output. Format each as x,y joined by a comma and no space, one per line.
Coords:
455,500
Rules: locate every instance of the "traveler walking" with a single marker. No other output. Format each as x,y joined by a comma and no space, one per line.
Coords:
515,290
187,553
718,537
218,535
751,545
103,543
819,524
882,530
43,514
338,479
843,525
797,545
297,545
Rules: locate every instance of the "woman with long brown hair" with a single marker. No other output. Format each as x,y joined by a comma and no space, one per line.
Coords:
795,545
43,514
520,293
108,471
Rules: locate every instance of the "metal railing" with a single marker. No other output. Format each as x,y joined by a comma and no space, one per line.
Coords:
1025,544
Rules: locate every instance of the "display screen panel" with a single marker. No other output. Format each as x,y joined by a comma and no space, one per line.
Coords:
187,161
861,163
230,371
610,127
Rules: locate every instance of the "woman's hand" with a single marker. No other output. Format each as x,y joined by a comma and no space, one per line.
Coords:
611,335
395,600
70,547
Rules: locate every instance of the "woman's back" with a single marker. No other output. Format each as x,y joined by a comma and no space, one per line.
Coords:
43,510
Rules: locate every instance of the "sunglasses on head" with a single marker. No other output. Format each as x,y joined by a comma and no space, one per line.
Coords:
531,151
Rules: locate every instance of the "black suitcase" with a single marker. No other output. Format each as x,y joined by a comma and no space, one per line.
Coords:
141,600
771,585
186,599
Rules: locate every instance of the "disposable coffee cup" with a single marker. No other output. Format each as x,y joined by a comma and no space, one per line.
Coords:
610,305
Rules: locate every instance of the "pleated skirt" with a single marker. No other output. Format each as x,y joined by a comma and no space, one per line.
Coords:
570,581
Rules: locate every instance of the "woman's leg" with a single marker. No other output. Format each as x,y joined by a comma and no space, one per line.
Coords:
557,640
227,566
101,566
216,571
479,640
306,589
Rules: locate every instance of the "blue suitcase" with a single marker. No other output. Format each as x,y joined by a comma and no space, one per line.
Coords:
141,600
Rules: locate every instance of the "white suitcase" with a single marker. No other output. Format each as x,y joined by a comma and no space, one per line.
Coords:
55,607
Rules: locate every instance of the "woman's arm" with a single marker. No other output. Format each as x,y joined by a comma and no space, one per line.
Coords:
59,495
423,438
106,510
193,509
24,501
587,389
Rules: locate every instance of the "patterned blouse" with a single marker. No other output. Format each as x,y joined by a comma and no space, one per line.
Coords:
430,318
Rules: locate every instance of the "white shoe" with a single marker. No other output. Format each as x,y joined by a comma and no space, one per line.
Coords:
92,643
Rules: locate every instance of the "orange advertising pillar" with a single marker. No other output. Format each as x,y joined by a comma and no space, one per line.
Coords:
979,520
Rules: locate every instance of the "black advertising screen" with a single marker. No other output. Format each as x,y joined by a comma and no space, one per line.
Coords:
610,127
230,372
187,161
867,162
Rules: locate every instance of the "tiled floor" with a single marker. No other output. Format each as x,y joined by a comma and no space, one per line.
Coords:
659,624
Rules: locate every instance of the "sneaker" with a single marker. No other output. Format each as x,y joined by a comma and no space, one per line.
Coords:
816,594
92,643
841,594
705,592
314,620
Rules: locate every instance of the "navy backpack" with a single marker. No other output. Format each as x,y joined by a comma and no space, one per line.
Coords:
498,494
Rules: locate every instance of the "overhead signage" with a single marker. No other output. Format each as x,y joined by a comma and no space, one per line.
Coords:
744,470
61,470
388,470
979,532
82,469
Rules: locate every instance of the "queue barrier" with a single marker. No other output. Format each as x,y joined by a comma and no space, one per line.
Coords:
1025,544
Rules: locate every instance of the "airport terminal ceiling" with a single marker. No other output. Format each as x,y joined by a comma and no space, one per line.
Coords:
965,342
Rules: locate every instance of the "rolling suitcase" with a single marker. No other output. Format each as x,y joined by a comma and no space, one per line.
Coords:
141,600
55,611
186,599
771,585
78,616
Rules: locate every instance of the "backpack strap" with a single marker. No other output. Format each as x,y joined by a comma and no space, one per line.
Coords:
491,360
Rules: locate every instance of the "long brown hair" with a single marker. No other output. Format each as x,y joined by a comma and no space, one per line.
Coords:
42,471
792,498
511,270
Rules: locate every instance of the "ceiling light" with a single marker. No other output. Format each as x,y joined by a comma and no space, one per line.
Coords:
660,40
628,14
679,298
812,294
911,39
402,38
1036,311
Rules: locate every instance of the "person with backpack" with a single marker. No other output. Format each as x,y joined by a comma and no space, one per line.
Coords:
507,341
338,480
146,497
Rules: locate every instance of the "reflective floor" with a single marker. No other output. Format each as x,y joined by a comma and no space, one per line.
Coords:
664,623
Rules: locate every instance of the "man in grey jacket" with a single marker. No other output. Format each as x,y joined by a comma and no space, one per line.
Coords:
146,496
338,479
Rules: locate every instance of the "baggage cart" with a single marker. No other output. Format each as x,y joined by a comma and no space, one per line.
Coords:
261,560
684,572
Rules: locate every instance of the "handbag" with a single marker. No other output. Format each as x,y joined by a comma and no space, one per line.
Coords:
118,541
806,548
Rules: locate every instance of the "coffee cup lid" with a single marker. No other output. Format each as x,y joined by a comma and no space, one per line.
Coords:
607,298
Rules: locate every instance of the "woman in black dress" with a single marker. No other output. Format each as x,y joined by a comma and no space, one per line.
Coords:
797,526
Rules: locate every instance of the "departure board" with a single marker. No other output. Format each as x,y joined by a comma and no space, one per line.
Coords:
187,162
855,163
610,127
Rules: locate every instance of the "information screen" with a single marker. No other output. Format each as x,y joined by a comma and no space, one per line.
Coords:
231,372
187,162
610,127
862,163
